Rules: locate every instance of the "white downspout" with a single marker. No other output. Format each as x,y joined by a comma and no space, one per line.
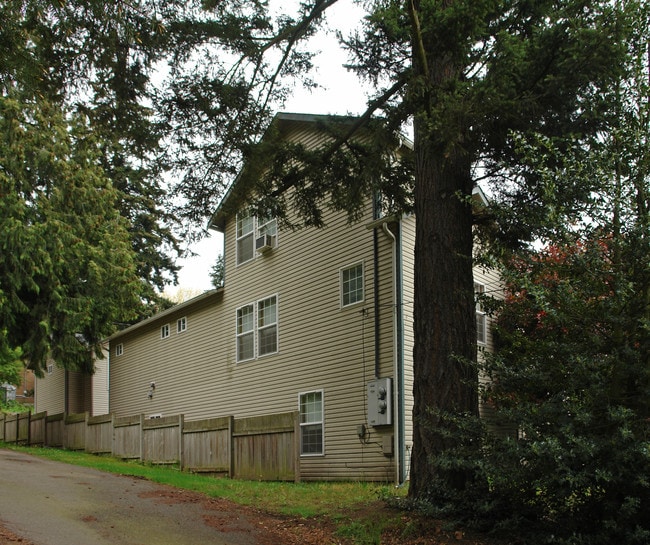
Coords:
396,385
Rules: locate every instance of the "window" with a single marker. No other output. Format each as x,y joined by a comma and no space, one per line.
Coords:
267,226
245,333
50,368
164,331
248,229
181,324
481,318
352,285
245,237
257,329
119,349
311,423
267,326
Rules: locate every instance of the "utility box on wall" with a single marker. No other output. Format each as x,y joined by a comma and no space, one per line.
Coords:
380,406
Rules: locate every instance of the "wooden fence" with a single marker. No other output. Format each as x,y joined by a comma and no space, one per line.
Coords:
256,448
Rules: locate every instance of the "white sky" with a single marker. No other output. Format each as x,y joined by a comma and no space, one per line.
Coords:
341,94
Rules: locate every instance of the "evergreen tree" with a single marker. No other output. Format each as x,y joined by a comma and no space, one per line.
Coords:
97,60
67,269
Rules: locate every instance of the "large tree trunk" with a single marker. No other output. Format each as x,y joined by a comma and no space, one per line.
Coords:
444,310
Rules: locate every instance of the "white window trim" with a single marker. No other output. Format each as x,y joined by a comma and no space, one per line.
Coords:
119,349
181,324
276,324
363,287
238,238
238,335
481,336
257,227
256,328
322,423
164,331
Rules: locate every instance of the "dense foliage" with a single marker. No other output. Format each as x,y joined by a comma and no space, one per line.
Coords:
570,382
67,271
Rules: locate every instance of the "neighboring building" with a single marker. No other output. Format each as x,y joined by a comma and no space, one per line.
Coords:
63,391
313,320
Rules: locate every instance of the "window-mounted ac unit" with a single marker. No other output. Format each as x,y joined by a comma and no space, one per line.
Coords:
264,243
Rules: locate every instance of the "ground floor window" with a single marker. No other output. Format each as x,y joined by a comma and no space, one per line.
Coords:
311,423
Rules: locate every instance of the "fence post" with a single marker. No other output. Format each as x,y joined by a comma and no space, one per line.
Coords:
142,437
181,442
113,434
296,447
231,447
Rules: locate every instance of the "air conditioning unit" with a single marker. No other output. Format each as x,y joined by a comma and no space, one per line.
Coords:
264,243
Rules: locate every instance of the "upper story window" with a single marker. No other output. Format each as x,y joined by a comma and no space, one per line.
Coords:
50,368
481,318
251,235
352,285
181,324
257,329
119,349
245,333
311,423
267,326
164,331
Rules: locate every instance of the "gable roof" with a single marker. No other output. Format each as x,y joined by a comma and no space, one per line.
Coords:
283,123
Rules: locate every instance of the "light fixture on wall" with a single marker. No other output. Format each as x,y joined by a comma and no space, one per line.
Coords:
152,389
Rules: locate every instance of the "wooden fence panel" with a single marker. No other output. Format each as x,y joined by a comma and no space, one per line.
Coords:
23,427
264,448
11,428
74,435
127,431
99,434
37,429
54,429
161,440
259,448
207,446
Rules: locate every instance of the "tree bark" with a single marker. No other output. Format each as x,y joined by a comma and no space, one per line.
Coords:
444,309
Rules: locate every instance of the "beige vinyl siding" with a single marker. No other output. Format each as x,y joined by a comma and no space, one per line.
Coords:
52,388
79,393
49,391
321,346
99,389
493,287
408,290
178,364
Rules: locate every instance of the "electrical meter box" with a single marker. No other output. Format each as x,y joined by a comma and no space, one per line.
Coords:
380,402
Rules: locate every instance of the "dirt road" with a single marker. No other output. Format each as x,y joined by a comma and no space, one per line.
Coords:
50,503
